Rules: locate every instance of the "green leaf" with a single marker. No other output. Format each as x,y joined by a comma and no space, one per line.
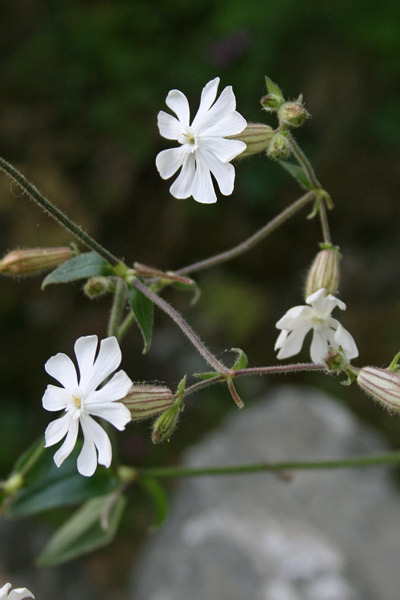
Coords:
142,308
298,173
22,463
93,526
159,497
273,88
83,266
180,390
208,375
241,361
47,486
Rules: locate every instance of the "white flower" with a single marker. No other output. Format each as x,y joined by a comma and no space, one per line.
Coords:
298,321
82,400
17,594
204,148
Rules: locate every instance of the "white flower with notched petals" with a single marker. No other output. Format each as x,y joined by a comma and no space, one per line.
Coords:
17,594
204,149
327,331
83,400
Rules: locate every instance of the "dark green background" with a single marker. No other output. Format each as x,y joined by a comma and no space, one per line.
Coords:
81,85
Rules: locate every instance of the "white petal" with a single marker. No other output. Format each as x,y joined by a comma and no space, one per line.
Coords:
115,413
108,359
57,429
177,102
20,594
65,450
55,398
345,339
281,339
208,96
94,437
224,150
169,161
319,346
182,186
232,124
169,126
202,188
224,106
62,368
293,343
295,315
115,389
85,351
224,173
4,590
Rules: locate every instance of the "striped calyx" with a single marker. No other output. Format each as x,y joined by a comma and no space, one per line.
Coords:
146,400
382,385
257,138
324,272
33,260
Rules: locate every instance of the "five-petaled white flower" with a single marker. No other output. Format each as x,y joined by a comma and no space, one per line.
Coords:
17,594
327,331
82,400
204,148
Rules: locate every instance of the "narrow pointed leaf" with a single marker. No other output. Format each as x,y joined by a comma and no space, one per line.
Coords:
83,266
142,308
208,375
298,173
47,486
85,531
159,498
241,361
273,88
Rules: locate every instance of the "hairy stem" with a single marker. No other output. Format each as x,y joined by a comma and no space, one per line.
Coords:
304,162
251,241
34,194
180,321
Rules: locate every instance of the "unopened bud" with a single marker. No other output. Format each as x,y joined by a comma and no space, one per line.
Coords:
33,260
336,361
279,147
146,401
382,385
271,102
97,286
257,138
324,272
292,114
166,423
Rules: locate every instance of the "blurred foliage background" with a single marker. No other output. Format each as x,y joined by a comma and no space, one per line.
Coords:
81,85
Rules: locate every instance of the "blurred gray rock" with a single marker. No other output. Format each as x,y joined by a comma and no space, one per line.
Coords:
323,535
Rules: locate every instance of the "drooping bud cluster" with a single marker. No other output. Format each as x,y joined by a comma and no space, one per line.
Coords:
279,147
324,272
382,385
34,260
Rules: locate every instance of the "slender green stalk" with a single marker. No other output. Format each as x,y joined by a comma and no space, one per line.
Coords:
389,458
126,323
117,309
324,223
180,321
304,162
252,241
34,194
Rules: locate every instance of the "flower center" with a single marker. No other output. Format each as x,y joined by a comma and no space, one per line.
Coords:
318,320
78,402
189,138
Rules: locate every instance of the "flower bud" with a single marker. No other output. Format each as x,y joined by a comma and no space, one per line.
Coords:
33,260
257,138
336,361
382,385
166,423
146,401
271,102
279,147
324,272
97,286
292,114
